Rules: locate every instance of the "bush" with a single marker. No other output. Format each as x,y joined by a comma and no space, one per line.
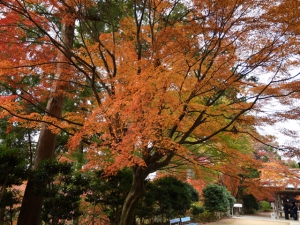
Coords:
197,209
207,216
217,198
164,198
265,206
173,196
250,204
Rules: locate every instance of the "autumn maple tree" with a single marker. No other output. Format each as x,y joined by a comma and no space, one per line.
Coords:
151,82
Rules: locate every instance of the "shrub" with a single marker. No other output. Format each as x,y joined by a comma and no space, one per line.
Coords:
206,216
197,209
217,198
173,196
265,206
250,204
165,198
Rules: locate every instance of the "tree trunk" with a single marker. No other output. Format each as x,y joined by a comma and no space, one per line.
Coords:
93,216
3,187
32,203
2,215
135,193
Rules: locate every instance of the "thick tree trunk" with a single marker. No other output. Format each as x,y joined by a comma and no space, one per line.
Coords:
2,215
2,209
32,203
3,188
135,193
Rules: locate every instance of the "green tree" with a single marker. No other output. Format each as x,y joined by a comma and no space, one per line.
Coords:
165,198
265,206
16,152
217,198
13,170
109,192
8,206
61,187
165,80
250,204
147,208
173,196
63,191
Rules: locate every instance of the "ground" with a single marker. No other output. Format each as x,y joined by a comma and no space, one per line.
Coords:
246,222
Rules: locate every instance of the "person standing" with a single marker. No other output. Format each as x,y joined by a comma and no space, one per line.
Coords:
294,211
286,210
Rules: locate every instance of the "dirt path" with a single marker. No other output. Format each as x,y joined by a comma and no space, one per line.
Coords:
230,221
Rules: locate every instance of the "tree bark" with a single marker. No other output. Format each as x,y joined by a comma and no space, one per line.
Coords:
2,209
135,193
2,215
32,203
3,187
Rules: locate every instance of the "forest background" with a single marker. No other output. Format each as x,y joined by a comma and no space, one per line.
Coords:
172,87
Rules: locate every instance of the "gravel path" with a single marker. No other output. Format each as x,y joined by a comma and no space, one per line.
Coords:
257,219
247,222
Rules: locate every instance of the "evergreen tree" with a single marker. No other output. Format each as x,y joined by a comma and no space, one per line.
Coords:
217,198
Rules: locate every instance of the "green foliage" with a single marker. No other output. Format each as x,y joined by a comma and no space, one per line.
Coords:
193,193
15,160
165,197
293,164
109,192
205,216
250,204
217,198
230,198
265,206
173,197
197,209
8,202
64,188
104,17
13,168
146,207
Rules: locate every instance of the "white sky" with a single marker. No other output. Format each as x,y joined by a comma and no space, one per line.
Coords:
282,139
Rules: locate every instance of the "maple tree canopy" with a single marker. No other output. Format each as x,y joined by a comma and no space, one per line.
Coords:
147,82
161,78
